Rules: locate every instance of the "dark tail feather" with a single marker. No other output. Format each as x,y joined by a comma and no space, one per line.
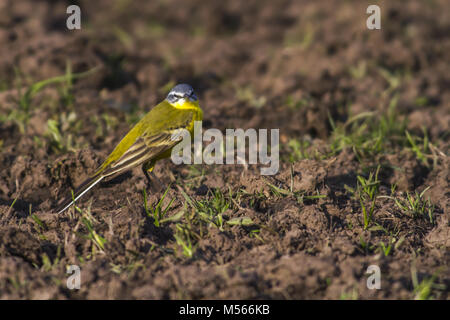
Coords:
80,191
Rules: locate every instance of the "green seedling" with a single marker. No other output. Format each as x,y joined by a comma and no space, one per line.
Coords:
385,248
366,191
210,210
41,227
298,150
419,151
241,221
367,213
21,115
369,134
47,264
58,140
12,206
16,283
359,71
92,235
365,245
302,36
183,239
416,206
247,95
158,212
350,295
299,195
394,80
423,290
255,234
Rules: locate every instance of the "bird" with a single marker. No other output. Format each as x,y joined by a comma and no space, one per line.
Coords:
150,140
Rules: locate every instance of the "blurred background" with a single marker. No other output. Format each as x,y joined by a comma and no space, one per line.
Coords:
287,64
335,89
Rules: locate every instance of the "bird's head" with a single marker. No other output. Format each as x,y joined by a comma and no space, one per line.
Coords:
182,96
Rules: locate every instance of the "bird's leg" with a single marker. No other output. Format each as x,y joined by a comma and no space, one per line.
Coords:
156,185
145,168
156,181
152,179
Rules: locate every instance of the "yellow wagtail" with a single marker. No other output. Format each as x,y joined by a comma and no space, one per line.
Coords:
149,140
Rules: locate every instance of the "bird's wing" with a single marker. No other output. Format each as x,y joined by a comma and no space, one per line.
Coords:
151,142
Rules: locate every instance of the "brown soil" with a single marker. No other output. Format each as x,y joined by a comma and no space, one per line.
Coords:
244,59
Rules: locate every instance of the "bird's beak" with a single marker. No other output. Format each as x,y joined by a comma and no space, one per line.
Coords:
193,97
